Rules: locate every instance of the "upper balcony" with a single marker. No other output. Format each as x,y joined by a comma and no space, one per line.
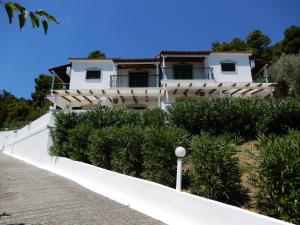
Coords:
187,72
134,80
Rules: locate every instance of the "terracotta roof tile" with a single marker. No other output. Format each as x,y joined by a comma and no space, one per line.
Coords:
135,59
171,52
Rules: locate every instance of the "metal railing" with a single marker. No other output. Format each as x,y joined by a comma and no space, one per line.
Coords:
64,86
132,80
186,73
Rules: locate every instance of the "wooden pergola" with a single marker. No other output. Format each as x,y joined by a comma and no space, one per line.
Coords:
235,89
84,97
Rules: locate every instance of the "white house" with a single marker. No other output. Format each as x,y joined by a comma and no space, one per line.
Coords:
168,77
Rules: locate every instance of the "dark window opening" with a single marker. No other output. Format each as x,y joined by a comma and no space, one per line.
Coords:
228,67
183,72
93,74
138,79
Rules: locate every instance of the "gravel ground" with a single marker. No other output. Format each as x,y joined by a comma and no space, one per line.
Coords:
29,195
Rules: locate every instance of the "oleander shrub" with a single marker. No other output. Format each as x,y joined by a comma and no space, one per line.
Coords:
77,143
276,176
63,123
245,117
102,116
154,117
214,169
158,152
285,115
101,143
126,152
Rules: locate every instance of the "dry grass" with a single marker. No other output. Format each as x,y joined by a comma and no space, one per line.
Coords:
244,158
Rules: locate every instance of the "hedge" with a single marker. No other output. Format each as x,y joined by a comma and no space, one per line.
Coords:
158,151
214,169
126,152
77,145
276,176
63,123
101,143
244,117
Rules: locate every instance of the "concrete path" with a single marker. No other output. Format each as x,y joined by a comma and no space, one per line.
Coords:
29,195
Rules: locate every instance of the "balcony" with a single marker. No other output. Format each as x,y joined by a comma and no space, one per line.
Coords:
134,81
183,72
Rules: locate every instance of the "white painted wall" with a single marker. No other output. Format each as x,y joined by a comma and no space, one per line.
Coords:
78,74
243,69
158,201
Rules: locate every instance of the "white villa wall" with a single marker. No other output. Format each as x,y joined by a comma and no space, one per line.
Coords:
243,69
78,74
155,200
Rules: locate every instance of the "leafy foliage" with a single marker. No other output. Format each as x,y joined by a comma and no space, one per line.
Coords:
259,44
242,117
214,169
35,16
96,54
158,153
102,142
276,176
64,122
16,112
77,144
291,41
286,72
126,154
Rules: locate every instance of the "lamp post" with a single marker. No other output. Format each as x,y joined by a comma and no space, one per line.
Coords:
180,153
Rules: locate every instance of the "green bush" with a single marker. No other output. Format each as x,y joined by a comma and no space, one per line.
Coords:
102,116
276,176
126,152
158,153
245,117
214,169
154,118
102,142
63,123
77,143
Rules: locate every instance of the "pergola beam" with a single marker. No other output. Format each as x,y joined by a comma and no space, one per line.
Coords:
175,91
94,95
65,98
257,91
77,99
235,91
246,91
122,98
86,98
211,91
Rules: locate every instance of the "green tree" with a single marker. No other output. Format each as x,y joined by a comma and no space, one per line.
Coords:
259,44
236,44
286,72
36,17
96,54
39,103
291,41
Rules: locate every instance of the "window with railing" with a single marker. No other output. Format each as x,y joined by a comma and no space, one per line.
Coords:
188,72
135,80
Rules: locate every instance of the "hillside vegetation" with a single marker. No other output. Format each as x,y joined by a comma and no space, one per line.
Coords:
142,144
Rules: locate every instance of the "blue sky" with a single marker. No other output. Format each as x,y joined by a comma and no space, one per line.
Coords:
130,28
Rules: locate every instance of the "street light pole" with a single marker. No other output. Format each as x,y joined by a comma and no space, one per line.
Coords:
180,153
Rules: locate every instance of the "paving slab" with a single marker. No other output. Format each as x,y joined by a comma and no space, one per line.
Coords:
29,195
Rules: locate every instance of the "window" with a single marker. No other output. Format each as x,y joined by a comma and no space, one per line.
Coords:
228,67
183,72
93,74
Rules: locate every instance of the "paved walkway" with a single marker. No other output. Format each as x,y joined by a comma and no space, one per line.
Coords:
29,195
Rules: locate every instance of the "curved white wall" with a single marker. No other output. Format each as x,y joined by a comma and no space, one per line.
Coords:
155,200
